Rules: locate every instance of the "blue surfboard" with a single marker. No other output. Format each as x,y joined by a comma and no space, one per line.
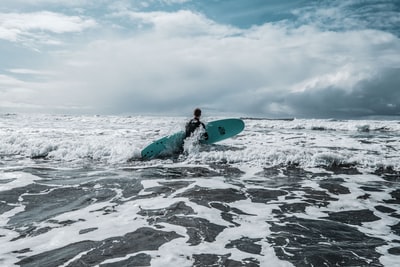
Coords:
217,131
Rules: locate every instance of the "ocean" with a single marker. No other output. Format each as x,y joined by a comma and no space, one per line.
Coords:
75,192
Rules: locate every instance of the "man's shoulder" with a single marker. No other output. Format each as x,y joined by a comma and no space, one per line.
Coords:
194,121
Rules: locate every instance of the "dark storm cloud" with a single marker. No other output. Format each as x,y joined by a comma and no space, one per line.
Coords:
380,96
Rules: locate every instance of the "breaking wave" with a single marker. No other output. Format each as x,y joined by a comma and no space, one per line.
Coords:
119,140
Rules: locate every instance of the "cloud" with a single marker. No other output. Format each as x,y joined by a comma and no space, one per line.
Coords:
270,69
378,95
15,92
170,2
170,62
30,72
351,15
41,3
181,23
38,26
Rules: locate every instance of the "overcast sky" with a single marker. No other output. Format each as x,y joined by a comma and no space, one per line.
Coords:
269,58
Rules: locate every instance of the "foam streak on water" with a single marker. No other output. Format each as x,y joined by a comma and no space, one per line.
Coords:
74,192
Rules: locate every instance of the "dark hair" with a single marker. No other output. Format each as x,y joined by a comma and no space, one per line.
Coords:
197,112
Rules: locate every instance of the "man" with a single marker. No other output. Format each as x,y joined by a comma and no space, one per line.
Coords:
195,123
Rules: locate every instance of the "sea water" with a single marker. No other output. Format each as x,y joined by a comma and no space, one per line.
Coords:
75,192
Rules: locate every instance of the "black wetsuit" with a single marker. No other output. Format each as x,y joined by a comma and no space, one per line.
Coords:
192,125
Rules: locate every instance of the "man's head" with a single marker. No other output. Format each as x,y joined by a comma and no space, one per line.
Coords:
197,113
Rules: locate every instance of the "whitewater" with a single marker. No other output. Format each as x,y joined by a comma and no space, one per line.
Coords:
74,191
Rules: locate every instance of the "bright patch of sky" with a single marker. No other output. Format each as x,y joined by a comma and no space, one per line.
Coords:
256,58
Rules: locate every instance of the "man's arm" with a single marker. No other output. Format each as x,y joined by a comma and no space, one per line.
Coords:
205,134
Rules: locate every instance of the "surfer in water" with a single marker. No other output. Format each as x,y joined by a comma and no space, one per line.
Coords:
195,123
